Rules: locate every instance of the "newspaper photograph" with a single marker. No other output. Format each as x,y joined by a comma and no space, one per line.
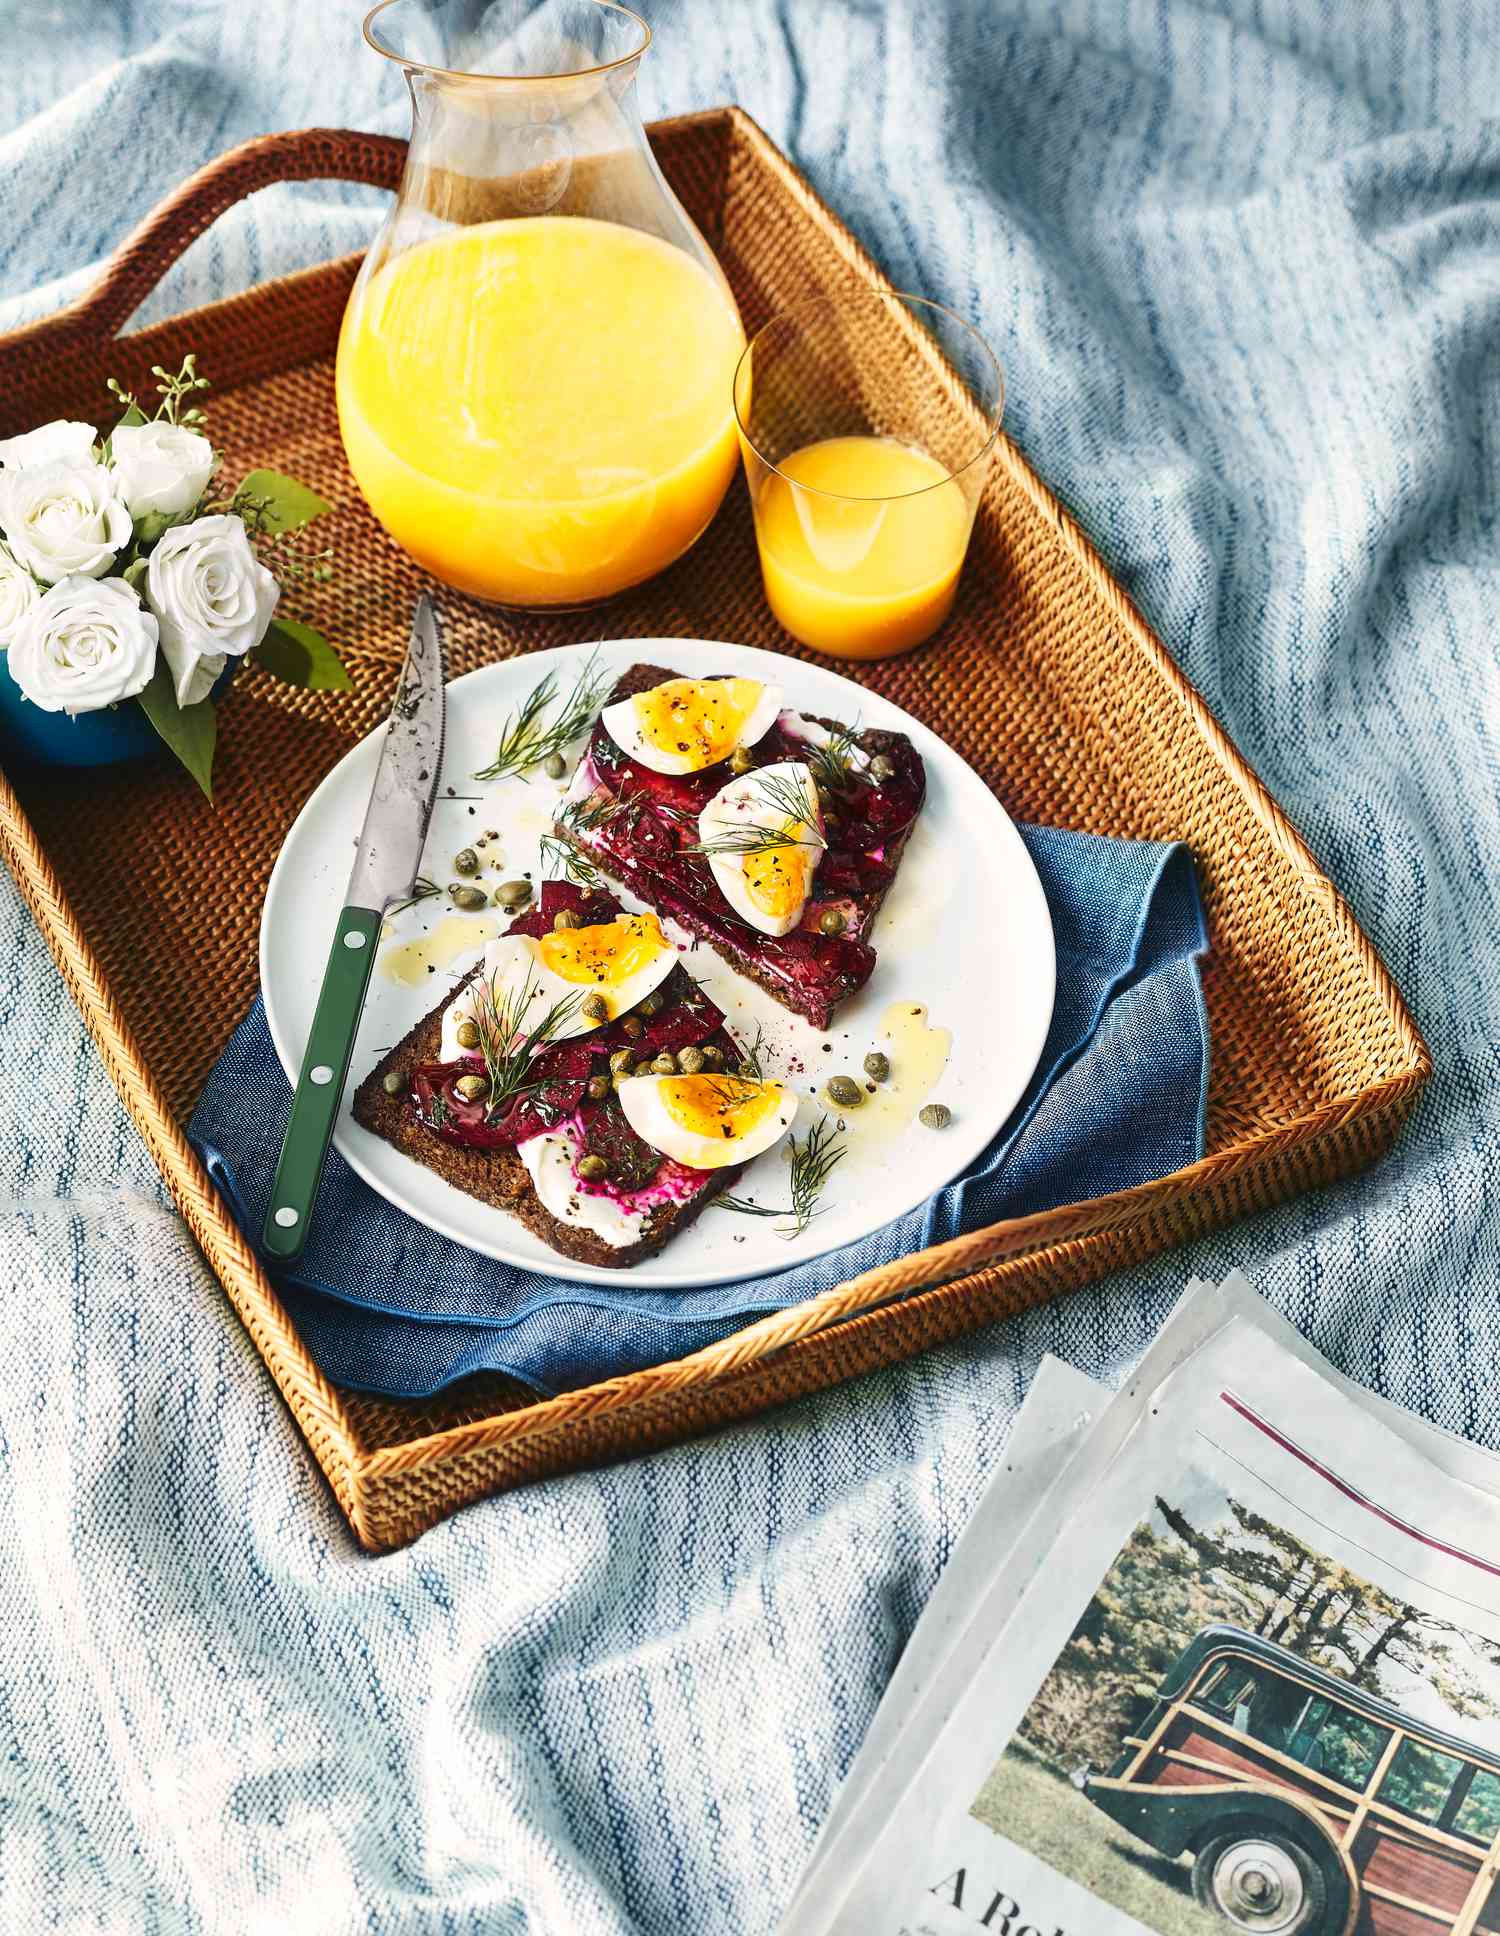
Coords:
1251,1683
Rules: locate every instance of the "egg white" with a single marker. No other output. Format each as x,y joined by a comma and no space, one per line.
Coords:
749,801
513,965
641,1100
622,722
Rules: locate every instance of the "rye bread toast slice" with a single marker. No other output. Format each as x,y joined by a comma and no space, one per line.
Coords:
497,1175
633,826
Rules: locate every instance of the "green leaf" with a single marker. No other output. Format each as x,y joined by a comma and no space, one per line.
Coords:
133,416
287,505
190,731
149,528
302,657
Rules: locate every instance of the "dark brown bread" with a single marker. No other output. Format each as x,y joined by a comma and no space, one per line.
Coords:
873,740
499,1176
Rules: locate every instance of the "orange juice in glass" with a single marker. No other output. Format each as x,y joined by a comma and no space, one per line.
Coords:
867,424
535,371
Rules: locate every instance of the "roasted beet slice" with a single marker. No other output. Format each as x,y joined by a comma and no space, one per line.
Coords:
640,825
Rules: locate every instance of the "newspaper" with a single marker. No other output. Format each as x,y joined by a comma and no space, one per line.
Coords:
1219,1652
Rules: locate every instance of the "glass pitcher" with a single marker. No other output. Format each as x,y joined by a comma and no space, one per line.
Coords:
535,372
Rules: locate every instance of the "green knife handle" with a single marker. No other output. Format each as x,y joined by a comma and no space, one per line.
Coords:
320,1086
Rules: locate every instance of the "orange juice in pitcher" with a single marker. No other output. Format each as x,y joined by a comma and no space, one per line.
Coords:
536,365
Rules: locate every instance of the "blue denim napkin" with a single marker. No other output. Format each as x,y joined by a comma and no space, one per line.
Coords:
386,1305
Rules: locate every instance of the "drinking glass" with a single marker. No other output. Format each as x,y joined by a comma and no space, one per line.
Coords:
867,425
535,368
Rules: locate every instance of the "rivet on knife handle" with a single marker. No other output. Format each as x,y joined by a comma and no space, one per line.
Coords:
320,1084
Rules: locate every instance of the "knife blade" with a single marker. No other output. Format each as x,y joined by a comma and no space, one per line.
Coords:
385,870
391,840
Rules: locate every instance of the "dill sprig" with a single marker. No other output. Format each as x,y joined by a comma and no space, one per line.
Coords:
422,890
598,811
813,1161
527,738
562,861
740,1082
752,1060
602,811
788,800
832,765
509,1048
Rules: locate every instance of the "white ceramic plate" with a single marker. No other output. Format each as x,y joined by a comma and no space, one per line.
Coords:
965,934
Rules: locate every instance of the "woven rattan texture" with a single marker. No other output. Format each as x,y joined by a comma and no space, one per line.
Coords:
1044,679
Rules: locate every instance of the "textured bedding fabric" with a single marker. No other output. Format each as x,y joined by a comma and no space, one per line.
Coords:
1241,263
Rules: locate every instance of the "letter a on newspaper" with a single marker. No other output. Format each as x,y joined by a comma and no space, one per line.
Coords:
1219,1652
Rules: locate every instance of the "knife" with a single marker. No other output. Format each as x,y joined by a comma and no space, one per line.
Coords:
385,870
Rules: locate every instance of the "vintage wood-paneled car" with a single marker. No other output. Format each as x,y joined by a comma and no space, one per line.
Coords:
1311,1809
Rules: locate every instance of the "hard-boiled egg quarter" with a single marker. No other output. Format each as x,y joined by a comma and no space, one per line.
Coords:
525,977
763,835
707,1121
686,724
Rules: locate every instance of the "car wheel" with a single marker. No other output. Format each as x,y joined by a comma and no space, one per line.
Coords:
1261,1880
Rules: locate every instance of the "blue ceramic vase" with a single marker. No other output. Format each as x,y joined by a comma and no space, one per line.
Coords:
105,738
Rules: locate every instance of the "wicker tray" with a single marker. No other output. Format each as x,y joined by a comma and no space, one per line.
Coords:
1046,680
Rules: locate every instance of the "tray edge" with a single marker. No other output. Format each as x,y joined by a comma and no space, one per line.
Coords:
363,1480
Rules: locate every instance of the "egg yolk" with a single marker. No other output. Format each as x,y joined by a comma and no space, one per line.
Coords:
723,1107
604,955
777,878
700,719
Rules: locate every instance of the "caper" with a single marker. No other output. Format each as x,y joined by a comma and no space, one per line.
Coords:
622,1062
713,1056
935,1115
653,1004
878,1066
832,921
512,894
471,1088
665,1064
467,898
466,861
844,1092
468,1035
691,1061
565,918
632,1028
882,769
599,1087
554,766
594,1008
393,1082
593,1169
742,760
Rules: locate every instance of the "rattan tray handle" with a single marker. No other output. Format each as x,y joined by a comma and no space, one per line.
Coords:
304,154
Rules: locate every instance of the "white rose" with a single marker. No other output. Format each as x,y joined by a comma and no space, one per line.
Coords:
86,643
62,441
212,596
160,467
18,593
63,519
